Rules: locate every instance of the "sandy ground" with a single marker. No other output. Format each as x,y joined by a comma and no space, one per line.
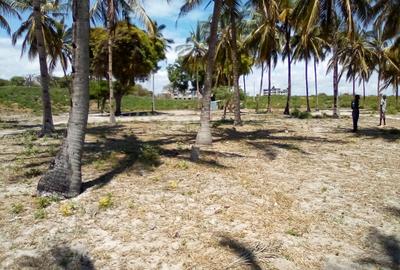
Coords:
277,193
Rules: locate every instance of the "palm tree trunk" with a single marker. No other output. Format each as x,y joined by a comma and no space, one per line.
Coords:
307,93
269,87
335,81
64,176
244,85
47,124
110,26
289,94
235,71
262,78
153,96
316,85
204,134
363,82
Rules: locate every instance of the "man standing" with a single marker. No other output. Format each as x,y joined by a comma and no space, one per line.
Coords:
355,106
382,111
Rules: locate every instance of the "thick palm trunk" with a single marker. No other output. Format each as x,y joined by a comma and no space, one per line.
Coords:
204,134
47,123
110,26
235,71
307,93
64,176
269,87
289,94
335,81
316,85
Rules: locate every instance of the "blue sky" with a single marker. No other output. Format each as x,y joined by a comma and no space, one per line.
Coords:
12,64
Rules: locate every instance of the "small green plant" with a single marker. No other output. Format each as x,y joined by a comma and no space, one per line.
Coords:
183,165
106,201
33,172
324,189
149,155
40,214
293,232
43,202
67,209
17,208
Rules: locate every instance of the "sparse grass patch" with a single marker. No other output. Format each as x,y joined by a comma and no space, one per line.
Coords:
33,172
45,201
40,214
183,165
17,208
293,232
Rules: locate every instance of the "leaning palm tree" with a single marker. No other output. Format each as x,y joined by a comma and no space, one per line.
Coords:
109,12
204,134
39,31
6,9
64,176
387,15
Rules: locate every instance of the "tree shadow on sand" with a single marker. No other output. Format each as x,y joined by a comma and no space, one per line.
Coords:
384,251
58,257
116,140
387,134
245,255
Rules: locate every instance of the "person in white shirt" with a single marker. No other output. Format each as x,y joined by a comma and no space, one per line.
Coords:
382,110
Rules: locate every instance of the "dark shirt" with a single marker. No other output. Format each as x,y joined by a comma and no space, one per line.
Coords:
355,105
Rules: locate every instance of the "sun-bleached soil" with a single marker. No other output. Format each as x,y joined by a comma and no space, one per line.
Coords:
276,193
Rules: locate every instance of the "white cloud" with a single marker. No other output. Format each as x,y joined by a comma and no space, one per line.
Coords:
12,64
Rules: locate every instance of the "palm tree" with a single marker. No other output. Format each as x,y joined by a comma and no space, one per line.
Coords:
109,12
328,14
6,9
286,23
381,49
64,177
264,39
204,134
193,54
233,16
387,15
356,58
40,32
391,73
307,44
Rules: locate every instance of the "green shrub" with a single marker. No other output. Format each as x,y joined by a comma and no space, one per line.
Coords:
40,214
4,82
149,155
17,81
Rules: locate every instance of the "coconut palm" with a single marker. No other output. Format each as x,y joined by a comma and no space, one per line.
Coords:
308,44
109,12
356,58
286,20
193,54
328,14
65,176
387,15
39,31
264,39
6,9
204,134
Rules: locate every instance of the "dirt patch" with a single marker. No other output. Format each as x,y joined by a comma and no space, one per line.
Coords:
277,193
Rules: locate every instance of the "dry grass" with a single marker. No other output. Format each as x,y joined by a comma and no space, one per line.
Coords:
277,193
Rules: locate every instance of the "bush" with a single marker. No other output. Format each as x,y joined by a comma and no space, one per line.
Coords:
4,82
17,81
301,115
149,155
